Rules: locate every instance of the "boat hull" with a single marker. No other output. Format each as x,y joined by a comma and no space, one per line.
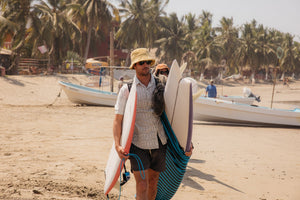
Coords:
84,95
238,99
208,109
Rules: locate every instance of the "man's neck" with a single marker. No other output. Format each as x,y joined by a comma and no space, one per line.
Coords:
145,80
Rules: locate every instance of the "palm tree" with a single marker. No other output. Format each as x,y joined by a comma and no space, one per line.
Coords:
16,14
205,46
94,17
56,29
191,26
133,30
206,17
155,19
265,48
172,43
246,52
273,40
140,26
287,62
297,57
228,39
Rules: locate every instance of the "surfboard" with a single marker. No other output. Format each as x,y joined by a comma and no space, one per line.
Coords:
114,164
183,114
171,88
178,124
179,105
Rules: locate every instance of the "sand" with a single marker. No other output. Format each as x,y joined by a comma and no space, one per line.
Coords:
53,149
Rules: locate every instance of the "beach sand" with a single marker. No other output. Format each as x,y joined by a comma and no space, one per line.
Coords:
53,149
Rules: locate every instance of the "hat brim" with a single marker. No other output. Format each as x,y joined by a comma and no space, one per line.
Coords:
152,63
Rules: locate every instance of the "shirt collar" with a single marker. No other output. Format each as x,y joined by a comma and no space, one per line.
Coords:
136,81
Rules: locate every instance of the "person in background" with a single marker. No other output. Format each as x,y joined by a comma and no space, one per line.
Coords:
211,90
161,69
120,83
149,140
161,72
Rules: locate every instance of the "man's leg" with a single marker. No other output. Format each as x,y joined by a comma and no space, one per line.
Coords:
153,177
141,185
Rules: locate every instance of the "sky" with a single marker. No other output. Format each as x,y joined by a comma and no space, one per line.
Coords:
283,15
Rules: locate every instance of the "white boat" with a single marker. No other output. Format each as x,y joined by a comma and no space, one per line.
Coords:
247,98
238,99
216,110
89,96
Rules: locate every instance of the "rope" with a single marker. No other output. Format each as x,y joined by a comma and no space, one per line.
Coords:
51,104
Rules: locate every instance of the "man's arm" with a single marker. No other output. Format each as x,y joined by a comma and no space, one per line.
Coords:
117,131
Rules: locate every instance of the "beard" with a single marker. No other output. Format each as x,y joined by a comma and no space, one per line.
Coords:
144,72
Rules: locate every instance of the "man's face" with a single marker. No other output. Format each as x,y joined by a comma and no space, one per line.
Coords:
142,68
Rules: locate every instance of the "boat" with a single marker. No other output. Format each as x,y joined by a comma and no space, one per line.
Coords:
247,98
237,99
216,110
89,96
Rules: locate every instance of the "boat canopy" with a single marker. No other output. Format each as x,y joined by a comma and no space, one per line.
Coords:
95,64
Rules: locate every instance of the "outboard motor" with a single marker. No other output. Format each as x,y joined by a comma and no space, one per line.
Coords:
248,93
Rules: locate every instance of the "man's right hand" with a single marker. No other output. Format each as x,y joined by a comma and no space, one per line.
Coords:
121,152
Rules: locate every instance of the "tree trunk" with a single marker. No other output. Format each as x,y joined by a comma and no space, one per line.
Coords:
267,75
87,45
253,78
201,76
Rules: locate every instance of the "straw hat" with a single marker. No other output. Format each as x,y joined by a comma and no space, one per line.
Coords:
162,66
141,54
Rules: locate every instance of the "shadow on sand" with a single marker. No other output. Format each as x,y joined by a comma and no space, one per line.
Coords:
13,81
193,172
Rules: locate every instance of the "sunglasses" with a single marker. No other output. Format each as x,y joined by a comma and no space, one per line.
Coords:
148,62
164,72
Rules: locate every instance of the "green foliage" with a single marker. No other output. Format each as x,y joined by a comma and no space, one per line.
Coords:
72,28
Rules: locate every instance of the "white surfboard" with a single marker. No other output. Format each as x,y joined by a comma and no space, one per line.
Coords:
171,90
181,116
179,105
113,166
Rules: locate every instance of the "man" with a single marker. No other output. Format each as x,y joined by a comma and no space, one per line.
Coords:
161,69
149,139
211,90
161,72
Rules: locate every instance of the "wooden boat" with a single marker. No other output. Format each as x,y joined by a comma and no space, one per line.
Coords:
89,96
216,110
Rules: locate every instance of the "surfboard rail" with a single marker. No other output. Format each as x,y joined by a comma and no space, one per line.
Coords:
114,164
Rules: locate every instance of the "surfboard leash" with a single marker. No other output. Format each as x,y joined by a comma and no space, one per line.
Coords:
126,174
140,164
